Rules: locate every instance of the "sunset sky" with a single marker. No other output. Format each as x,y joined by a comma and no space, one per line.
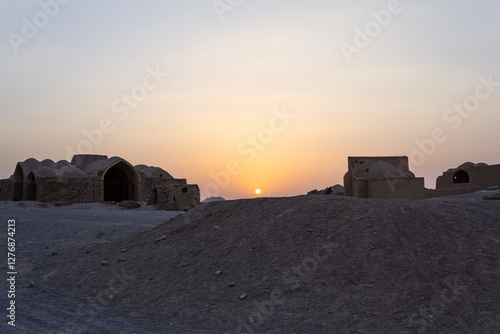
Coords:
239,95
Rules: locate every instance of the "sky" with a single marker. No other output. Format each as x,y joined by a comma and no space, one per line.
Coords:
235,95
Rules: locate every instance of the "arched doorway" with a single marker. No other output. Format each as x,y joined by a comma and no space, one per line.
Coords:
121,183
461,176
18,184
30,187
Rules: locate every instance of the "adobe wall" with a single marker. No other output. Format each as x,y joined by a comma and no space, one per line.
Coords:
178,197
6,190
431,193
390,188
478,176
72,190
148,184
357,163
348,189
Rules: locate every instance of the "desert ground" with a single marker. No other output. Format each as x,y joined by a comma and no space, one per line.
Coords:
305,264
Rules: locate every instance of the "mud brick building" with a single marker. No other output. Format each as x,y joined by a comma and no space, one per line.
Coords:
382,177
97,178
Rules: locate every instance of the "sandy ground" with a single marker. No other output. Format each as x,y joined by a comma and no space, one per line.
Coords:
44,234
306,264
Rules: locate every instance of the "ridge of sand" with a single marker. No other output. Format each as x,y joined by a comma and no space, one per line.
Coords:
307,264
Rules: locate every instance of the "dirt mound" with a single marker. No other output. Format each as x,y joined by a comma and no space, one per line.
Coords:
308,264
333,190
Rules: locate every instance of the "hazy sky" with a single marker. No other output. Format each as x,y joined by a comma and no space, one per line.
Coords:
238,95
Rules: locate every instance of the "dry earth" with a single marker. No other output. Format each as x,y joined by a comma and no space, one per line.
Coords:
307,264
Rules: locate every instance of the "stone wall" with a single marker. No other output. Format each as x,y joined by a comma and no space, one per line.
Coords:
148,185
178,197
411,188
95,178
6,189
400,183
479,176
431,193
72,190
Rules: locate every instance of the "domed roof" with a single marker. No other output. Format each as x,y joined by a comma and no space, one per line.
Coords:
151,171
380,170
102,165
49,168
466,165
71,171
469,165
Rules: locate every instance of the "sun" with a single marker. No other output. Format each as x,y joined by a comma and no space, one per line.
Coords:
257,191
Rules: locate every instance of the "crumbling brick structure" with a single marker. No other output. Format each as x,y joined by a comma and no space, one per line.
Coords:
382,177
96,178
466,178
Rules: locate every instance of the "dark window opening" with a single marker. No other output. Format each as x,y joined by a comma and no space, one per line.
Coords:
461,177
185,190
120,183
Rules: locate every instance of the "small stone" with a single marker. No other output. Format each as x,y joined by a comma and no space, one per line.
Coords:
216,227
232,284
218,272
104,263
228,214
130,204
55,253
431,316
121,259
368,225
161,238
32,284
111,297
243,296
123,250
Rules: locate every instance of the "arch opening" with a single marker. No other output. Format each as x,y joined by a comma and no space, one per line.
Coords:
18,184
121,183
461,176
30,194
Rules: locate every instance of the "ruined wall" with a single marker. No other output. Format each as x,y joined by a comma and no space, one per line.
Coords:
389,188
94,178
348,190
431,193
6,189
396,188
147,186
178,197
400,183
358,188
72,190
